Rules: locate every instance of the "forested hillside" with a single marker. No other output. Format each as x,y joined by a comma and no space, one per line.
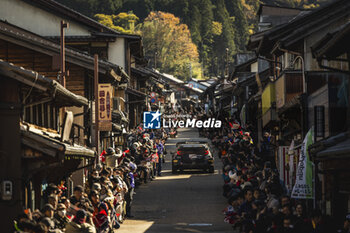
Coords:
215,25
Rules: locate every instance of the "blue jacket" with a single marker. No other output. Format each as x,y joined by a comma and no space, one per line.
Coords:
160,148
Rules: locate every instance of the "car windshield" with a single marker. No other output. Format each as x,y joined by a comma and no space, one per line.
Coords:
192,148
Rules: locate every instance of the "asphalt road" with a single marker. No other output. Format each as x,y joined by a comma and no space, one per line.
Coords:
187,202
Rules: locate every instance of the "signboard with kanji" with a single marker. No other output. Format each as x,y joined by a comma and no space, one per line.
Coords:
105,107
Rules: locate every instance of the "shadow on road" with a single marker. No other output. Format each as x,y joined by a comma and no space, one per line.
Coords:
187,202
190,201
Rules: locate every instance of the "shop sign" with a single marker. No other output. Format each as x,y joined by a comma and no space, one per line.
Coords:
105,107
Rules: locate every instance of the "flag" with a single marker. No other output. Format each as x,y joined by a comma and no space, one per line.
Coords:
303,188
103,156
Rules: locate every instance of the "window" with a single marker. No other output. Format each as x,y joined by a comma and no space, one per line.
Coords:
44,115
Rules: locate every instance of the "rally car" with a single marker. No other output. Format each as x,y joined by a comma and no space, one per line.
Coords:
192,155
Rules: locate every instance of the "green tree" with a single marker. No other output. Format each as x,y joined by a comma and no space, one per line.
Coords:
81,6
106,6
180,8
225,40
240,24
195,24
140,8
123,22
208,30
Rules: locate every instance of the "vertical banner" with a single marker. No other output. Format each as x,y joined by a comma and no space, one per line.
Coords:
303,188
287,165
105,106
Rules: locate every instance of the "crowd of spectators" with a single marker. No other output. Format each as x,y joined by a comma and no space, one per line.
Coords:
258,201
105,201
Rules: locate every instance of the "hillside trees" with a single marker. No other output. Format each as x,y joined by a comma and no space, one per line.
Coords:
240,24
225,40
214,24
168,44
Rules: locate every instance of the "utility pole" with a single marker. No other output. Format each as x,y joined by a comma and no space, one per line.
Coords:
63,54
63,73
97,133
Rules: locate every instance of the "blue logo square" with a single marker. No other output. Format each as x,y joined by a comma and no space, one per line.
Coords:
151,120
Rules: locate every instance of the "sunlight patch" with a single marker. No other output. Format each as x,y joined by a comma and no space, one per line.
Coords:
140,226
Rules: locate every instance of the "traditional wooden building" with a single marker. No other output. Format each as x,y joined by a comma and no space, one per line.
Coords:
309,89
35,52
332,155
34,151
159,94
86,35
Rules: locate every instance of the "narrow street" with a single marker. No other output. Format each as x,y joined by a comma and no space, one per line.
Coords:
90,90
187,202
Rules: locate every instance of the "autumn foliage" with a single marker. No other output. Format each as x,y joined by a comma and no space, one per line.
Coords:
215,25
169,42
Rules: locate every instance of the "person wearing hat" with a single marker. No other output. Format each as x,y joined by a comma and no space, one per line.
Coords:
231,210
60,217
79,198
48,211
96,187
130,182
79,225
50,225
77,194
51,189
53,200
100,213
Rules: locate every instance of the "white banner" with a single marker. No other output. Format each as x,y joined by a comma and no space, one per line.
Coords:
303,188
